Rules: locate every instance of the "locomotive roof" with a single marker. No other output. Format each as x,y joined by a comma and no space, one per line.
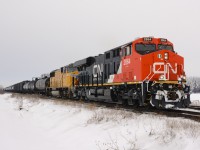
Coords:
54,70
118,47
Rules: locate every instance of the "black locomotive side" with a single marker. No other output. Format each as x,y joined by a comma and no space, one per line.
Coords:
94,76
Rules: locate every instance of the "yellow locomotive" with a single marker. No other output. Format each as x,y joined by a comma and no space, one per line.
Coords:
63,81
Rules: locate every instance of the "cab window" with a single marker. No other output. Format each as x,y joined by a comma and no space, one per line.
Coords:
145,48
165,47
127,50
116,52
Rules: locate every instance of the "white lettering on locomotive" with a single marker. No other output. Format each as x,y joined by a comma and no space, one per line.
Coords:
127,61
97,69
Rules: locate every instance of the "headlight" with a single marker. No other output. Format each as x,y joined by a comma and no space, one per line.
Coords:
162,77
160,56
183,78
166,56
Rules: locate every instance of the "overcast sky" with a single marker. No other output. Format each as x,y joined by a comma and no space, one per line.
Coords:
38,36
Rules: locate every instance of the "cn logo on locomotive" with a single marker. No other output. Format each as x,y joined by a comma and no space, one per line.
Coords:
97,69
166,67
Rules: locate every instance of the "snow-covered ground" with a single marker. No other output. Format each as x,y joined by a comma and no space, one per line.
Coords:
44,124
195,99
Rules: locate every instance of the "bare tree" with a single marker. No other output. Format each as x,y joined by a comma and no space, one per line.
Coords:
194,83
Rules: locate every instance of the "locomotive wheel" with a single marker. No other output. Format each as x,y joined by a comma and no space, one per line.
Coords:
82,98
159,104
70,95
122,101
135,103
86,99
186,104
183,103
83,95
163,103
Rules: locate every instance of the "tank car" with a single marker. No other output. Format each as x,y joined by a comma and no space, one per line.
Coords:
31,86
41,85
17,88
25,87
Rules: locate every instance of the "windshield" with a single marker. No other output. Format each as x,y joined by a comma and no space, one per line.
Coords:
165,47
145,48
148,48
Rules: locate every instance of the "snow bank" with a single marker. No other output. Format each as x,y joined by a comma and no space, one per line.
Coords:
195,96
195,99
39,124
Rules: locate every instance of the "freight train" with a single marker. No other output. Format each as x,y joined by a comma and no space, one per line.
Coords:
142,72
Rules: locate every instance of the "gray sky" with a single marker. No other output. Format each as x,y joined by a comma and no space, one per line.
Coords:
38,36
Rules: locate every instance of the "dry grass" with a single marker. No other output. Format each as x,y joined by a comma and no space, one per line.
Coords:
55,101
113,144
188,127
36,99
20,99
106,115
33,97
162,129
65,102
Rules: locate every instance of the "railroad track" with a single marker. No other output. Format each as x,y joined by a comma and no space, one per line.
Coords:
188,113
191,113
195,107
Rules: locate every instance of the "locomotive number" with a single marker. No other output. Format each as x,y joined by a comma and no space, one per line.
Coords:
127,61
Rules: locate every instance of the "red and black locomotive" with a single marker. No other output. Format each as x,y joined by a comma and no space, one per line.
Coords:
144,71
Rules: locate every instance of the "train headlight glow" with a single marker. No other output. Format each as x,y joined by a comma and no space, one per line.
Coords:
159,55
179,79
166,56
162,77
184,77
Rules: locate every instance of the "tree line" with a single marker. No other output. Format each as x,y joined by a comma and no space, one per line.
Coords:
194,83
